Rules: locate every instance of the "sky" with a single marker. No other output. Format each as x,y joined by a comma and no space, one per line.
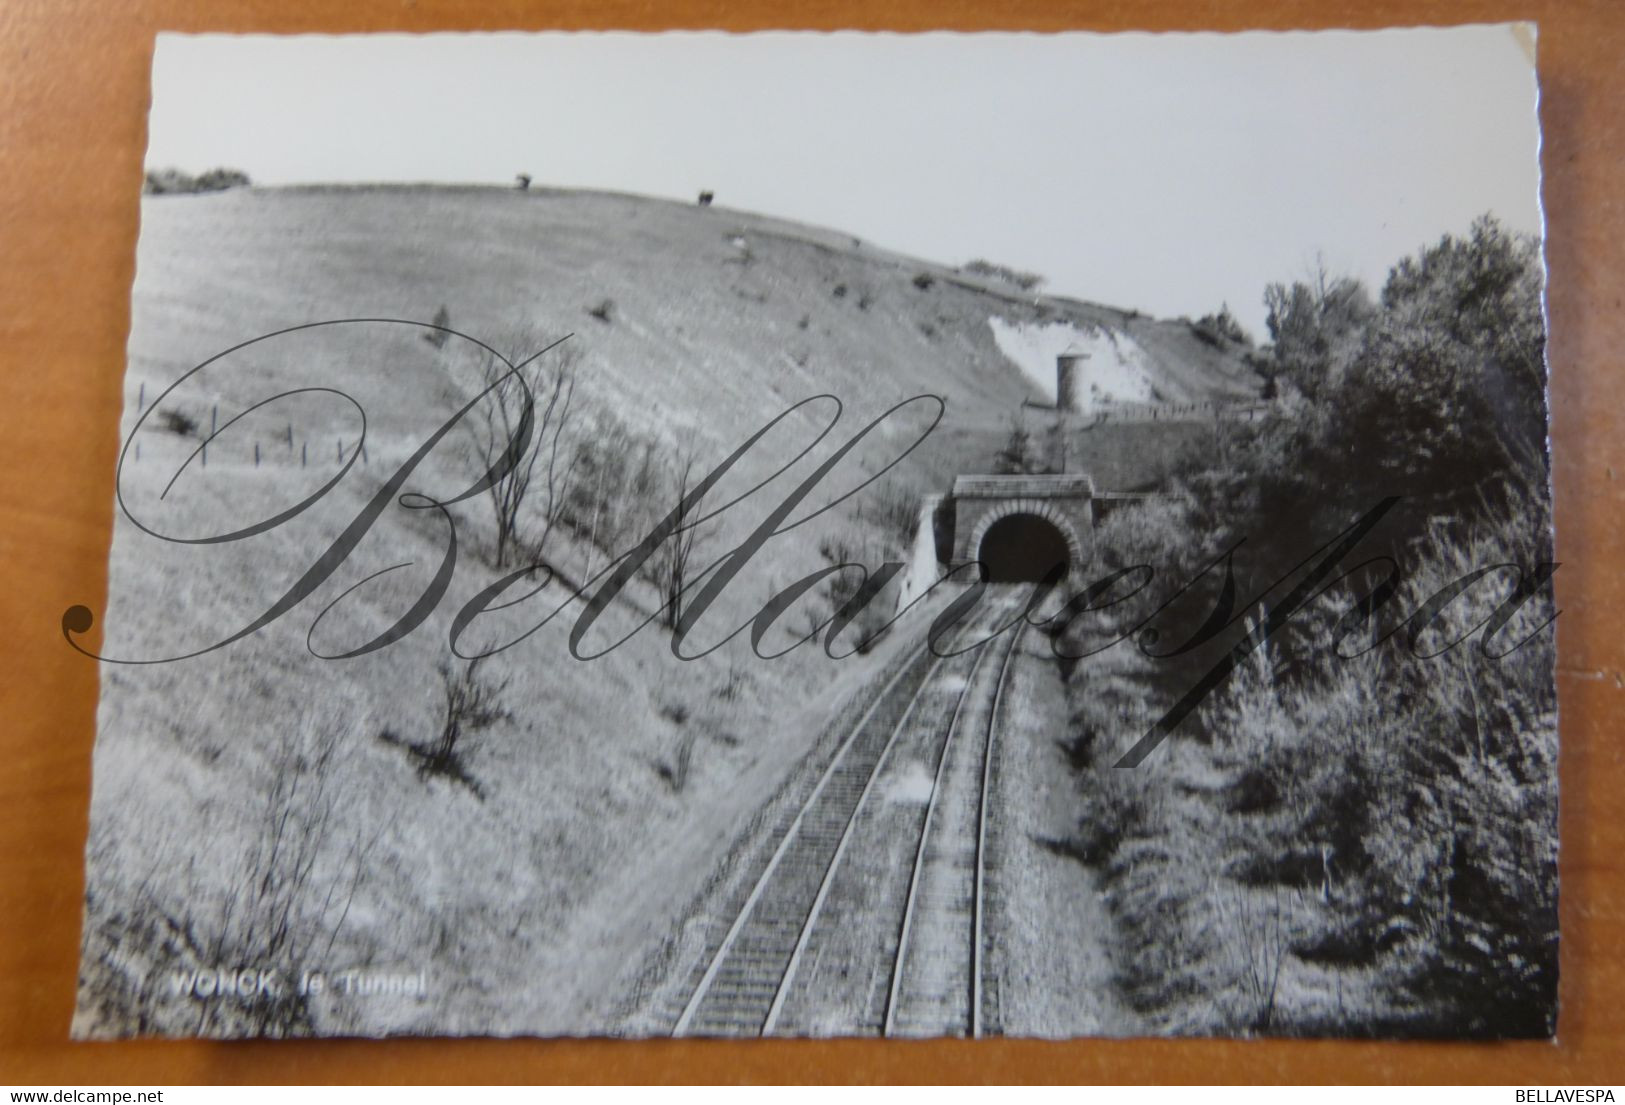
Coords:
1168,173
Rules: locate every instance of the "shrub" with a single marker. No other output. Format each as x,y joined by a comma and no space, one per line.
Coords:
177,422
470,704
1389,815
160,182
1026,281
439,337
1019,457
1221,327
1426,787
294,877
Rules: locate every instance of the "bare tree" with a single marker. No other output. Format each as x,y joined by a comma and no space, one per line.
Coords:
544,389
616,491
672,564
470,703
295,890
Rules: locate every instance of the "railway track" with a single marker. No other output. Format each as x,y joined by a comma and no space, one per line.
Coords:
870,914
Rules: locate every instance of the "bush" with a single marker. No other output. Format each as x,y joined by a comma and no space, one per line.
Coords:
1019,457
1026,281
471,704
896,511
1216,329
442,320
294,877
177,422
161,182
1427,788
1389,817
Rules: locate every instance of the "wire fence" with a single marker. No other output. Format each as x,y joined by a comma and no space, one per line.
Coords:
263,448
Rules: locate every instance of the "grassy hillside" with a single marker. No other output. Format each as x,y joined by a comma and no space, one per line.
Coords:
715,319
589,804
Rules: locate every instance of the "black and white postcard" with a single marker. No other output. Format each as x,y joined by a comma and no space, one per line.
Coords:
830,535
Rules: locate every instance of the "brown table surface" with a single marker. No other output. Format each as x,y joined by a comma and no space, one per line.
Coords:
73,102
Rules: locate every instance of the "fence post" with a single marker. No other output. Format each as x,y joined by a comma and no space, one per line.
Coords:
256,454
304,453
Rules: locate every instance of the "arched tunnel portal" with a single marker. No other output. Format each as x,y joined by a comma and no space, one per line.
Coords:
1023,548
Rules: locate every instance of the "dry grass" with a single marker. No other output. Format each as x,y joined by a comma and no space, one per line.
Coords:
591,781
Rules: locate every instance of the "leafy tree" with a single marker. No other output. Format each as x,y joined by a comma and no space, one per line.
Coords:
1437,390
1449,387
1420,796
1316,327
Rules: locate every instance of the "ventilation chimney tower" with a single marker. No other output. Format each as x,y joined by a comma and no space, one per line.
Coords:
1069,379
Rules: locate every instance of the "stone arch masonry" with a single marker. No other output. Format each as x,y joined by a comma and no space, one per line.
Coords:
1066,502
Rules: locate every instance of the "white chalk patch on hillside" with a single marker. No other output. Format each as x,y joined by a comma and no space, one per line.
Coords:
1114,370
923,571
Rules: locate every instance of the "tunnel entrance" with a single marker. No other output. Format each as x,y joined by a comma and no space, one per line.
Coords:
1021,548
